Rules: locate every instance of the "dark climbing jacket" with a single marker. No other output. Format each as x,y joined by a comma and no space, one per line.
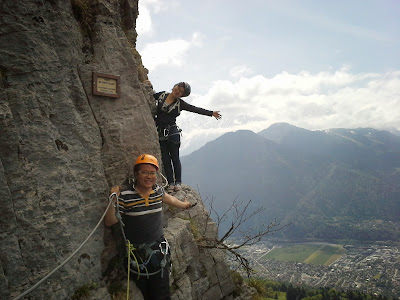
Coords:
166,114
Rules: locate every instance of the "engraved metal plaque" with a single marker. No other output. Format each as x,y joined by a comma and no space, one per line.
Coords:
106,85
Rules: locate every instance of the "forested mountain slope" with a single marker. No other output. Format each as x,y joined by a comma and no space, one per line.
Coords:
333,184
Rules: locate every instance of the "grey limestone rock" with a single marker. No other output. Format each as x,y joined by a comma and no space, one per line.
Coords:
62,148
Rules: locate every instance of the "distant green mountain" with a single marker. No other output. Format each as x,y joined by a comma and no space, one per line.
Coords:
333,184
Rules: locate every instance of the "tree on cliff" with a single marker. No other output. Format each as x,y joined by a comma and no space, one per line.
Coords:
240,214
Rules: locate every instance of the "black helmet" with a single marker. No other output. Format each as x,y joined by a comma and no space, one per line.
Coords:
187,88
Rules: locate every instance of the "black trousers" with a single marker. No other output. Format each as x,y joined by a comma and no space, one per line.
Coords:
155,287
171,161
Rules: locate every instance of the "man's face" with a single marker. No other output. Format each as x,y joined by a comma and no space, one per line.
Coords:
146,176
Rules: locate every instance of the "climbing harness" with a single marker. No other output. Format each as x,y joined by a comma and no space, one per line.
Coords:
141,269
148,256
164,133
165,130
68,258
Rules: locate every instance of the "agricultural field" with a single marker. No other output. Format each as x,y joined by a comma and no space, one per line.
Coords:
320,254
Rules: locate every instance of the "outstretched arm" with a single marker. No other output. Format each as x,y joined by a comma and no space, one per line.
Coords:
198,110
171,200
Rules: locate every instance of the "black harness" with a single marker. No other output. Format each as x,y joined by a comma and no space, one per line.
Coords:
167,131
148,259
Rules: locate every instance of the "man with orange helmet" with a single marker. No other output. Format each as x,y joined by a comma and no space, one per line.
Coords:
140,207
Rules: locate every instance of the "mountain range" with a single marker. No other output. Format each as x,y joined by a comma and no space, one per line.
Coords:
336,184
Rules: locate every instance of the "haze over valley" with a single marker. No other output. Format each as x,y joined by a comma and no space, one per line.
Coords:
332,185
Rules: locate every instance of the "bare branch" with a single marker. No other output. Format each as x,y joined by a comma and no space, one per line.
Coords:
239,212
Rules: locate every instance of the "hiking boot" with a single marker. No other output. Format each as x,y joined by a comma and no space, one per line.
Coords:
178,187
171,188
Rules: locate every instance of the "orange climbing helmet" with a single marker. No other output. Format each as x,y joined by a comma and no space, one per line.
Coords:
147,159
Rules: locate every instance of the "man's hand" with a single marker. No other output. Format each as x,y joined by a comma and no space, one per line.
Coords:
110,218
186,203
217,115
116,189
171,200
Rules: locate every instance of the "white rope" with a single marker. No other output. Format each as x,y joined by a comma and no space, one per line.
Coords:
65,261
166,180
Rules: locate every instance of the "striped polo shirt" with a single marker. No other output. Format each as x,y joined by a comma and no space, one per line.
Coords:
142,216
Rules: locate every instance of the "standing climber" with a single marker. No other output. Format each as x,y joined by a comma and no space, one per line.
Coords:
140,209
169,107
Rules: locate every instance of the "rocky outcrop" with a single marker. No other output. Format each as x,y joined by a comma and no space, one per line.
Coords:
197,273
61,148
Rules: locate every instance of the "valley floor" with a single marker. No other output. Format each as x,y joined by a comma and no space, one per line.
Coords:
370,269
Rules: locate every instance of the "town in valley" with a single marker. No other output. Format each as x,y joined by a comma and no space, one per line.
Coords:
373,269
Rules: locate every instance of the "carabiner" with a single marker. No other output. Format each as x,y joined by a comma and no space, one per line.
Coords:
164,252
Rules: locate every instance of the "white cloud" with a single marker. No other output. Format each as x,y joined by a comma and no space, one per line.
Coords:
171,52
197,39
157,6
240,71
317,99
144,23
309,100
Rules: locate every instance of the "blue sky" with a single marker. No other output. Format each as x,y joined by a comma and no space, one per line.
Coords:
313,64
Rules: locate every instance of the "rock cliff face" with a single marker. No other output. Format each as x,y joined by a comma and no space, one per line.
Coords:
62,148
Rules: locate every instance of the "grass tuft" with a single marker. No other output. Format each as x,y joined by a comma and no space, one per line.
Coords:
84,14
84,291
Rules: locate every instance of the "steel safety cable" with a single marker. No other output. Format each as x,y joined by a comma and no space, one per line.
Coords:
68,258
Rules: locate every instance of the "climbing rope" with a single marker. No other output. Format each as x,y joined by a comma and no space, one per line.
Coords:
166,180
130,248
69,258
